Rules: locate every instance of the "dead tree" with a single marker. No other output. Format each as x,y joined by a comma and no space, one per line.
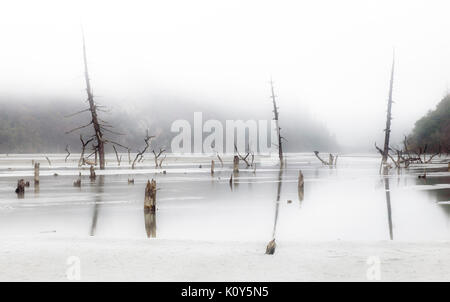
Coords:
331,161
387,130
68,153
83,149
243,158
220,159
119,158
140,154
275,117
161,151
99,126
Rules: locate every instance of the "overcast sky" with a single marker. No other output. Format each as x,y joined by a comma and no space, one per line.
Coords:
332,58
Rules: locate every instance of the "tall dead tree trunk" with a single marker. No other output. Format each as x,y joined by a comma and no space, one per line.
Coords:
93,109
275,117
389,116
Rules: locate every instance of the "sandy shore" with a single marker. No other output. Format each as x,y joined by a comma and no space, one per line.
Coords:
44,258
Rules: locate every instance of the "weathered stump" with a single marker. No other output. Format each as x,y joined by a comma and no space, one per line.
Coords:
300,186
36,174
20,190
236,164
92,173
270,249
150,197
131,181
212,167
77,183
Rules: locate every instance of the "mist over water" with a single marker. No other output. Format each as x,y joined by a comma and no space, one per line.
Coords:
329,61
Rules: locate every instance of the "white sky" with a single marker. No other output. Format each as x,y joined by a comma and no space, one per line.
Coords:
332,57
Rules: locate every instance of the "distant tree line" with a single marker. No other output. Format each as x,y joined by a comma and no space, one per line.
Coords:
41,126
433,130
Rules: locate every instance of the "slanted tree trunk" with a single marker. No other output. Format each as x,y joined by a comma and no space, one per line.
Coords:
93,109
388,117
275,117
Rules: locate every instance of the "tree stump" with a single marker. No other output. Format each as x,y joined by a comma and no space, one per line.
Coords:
92,173
300,185
20,190
236,164
36,174
77,183
150,197
270,249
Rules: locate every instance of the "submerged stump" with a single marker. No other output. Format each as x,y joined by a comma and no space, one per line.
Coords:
236,164
36,174
150,197
20,190
301,183
270,249
92,173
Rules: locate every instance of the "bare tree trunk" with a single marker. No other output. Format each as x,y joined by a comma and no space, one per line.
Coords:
93,109
212,167
275,117
388,117
117,156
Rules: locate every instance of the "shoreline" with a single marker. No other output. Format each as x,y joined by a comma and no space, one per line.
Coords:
45,258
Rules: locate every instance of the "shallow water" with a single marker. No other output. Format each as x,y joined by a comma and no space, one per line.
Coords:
349,202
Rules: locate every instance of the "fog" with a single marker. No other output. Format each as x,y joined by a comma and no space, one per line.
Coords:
330,60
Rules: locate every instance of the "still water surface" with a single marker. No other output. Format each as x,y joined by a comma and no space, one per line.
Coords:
350,202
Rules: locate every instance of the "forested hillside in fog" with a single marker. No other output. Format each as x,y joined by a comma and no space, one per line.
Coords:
433,129
41,126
